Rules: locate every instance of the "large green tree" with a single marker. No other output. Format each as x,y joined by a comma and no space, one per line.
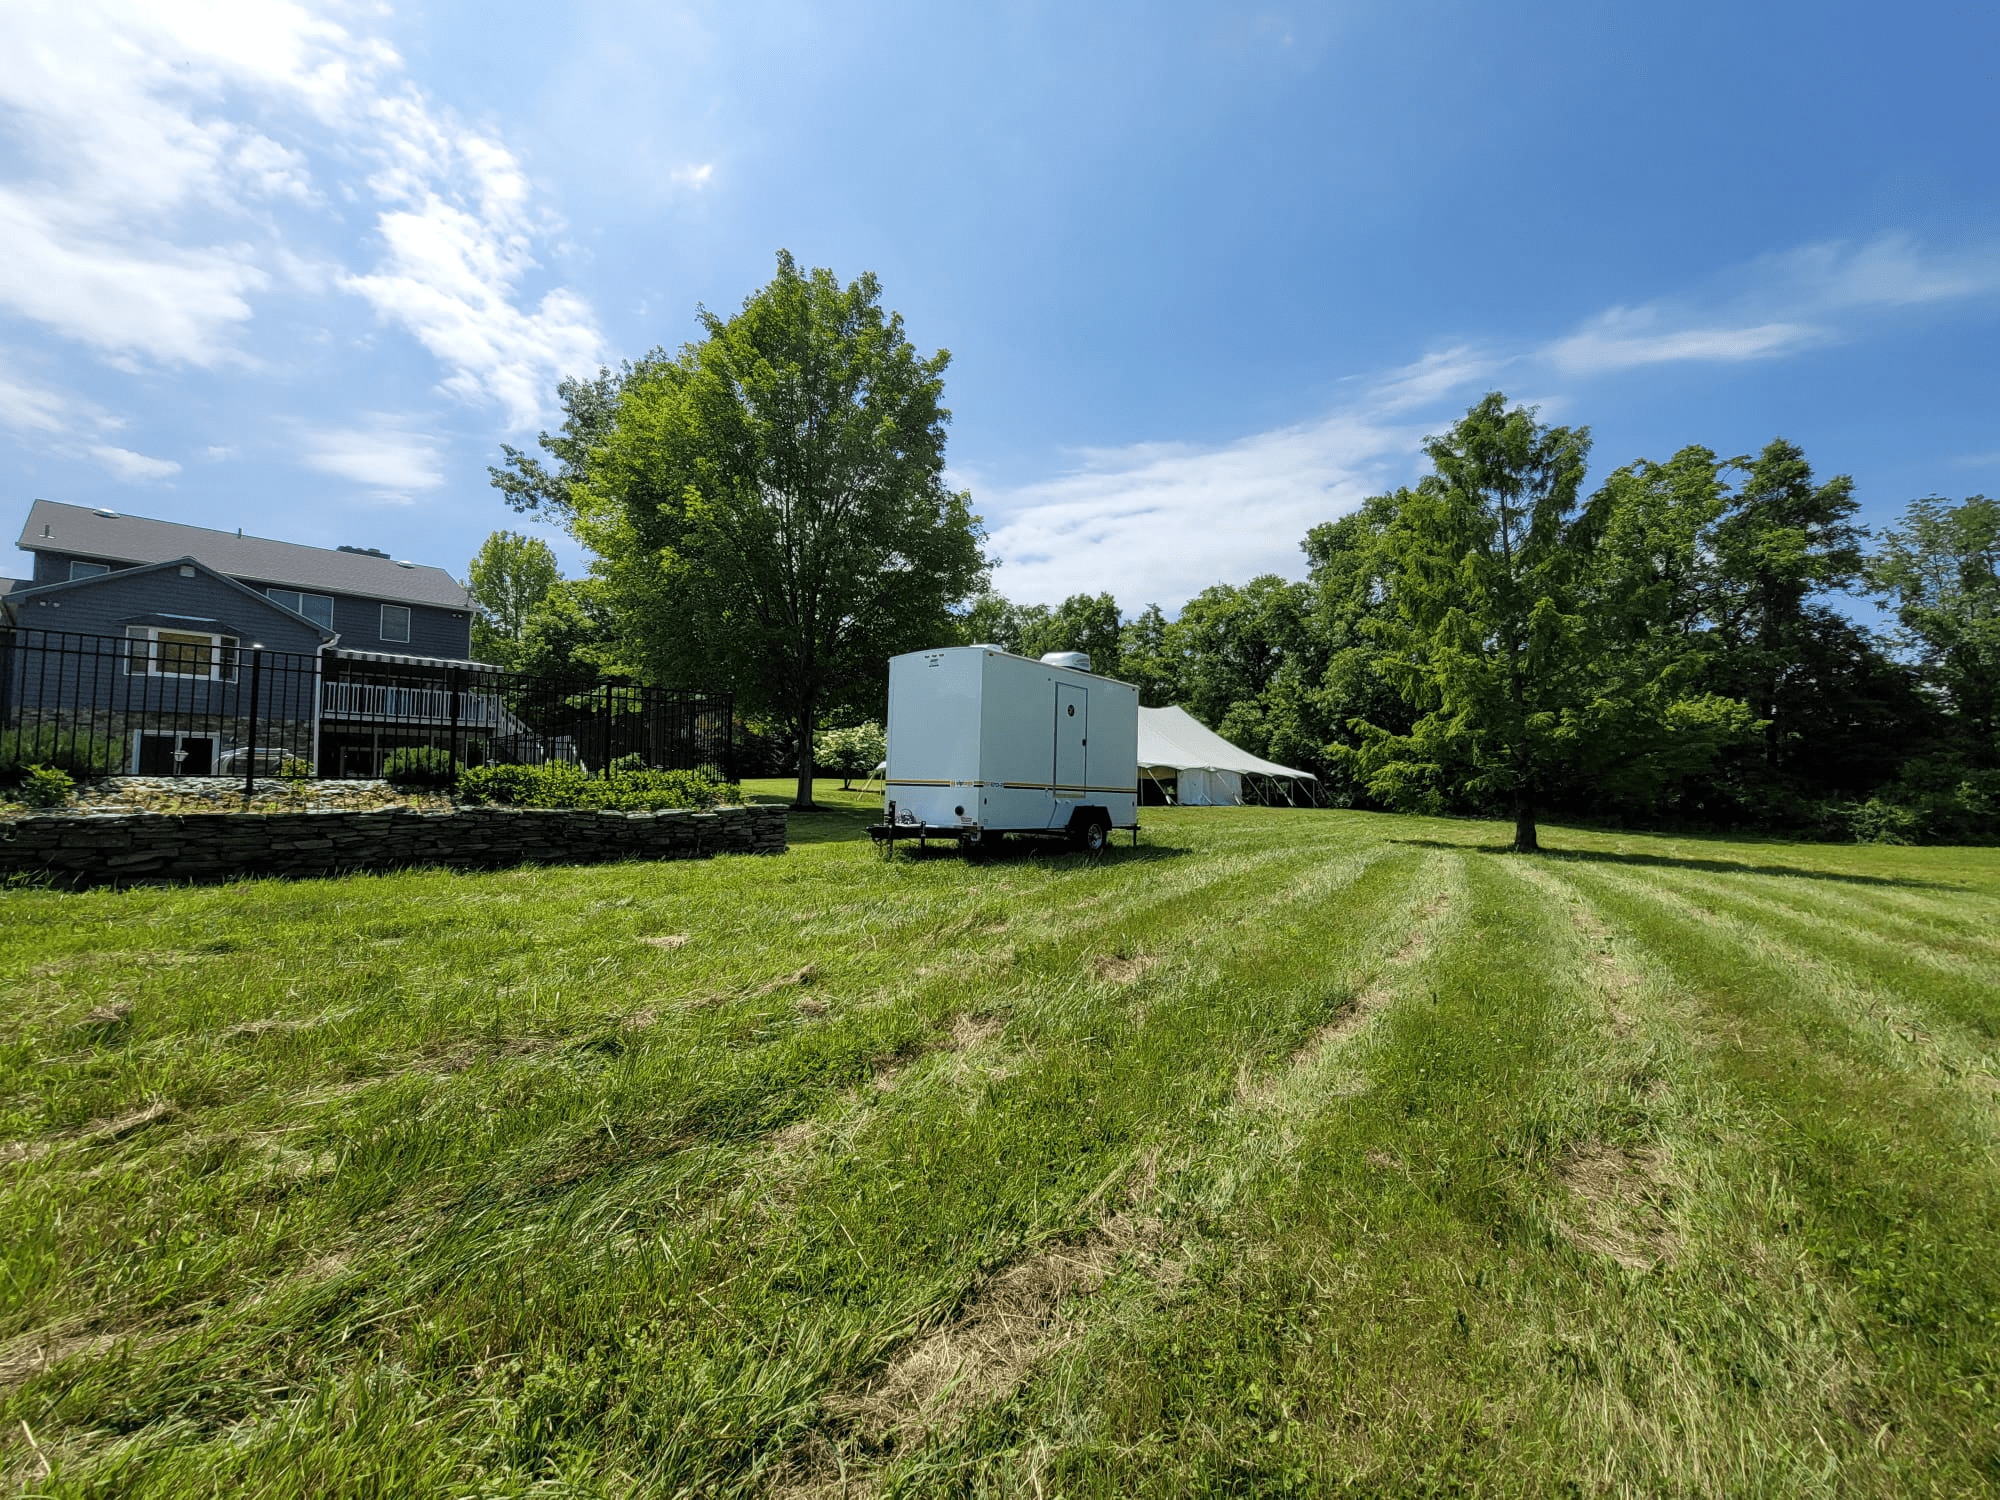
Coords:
769,505
1781,541
1484,633
509,579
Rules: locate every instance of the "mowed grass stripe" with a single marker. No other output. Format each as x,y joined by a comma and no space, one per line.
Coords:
1947,988
1330,1331
1886,1179
1843,1012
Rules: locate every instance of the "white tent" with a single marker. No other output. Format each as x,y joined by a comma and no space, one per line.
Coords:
1208,771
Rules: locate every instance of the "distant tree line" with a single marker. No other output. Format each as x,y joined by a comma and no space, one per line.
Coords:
1664,651
765,510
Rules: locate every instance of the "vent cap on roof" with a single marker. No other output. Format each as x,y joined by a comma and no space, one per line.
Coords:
109,515
1077,659
363,551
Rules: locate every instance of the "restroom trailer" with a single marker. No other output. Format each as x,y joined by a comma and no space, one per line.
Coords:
984,743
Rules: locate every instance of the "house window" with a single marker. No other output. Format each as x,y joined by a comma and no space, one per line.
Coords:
395,622
315,607
87,570
154,652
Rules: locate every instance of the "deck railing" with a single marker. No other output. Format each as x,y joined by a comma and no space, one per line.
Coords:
411,705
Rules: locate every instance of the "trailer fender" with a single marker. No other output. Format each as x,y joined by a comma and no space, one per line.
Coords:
1090,828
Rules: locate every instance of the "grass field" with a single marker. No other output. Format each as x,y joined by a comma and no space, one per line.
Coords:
1286,1153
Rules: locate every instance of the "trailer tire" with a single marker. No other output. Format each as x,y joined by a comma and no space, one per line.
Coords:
1090,830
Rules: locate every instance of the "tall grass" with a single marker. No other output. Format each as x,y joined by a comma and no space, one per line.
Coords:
1286,1152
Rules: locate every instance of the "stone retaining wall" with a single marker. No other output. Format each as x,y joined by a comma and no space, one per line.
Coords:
122,848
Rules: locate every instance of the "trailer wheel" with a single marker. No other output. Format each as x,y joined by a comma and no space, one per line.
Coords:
1093,834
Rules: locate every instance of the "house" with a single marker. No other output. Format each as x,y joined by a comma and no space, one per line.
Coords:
368,600
189,650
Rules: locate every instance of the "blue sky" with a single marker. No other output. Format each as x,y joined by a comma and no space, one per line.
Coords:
1208,273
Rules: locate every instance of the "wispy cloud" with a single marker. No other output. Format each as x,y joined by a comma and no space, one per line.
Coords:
131,466
1164,521
392,462
693,176
1625,337
1778,305
159,141
32,408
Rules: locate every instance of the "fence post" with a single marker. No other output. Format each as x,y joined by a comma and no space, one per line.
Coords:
604,766
250,760
451,681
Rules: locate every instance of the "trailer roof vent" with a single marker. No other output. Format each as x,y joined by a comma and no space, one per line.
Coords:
1078,659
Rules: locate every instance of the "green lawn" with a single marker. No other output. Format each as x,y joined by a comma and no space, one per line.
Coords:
1290,1151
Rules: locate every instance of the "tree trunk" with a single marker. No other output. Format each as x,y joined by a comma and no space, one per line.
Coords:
1524,824
803,802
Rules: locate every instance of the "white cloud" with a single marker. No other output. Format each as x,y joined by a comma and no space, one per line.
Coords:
31,408
1891,270
1160,522
1781,304
159,143
390,461
1625,337
131,466
693,176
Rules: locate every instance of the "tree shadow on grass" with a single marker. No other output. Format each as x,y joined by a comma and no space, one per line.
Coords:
830,825
1020,851
1708,866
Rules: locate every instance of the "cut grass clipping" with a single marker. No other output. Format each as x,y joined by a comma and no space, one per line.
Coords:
1290,1151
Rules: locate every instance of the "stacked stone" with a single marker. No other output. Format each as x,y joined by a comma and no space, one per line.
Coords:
121,848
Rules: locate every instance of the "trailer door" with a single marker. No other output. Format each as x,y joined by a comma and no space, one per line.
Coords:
1072,728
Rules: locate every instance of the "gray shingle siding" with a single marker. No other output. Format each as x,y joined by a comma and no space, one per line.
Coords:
102,606
53,567
433,632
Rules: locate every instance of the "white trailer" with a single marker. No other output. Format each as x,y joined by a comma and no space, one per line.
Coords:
984,743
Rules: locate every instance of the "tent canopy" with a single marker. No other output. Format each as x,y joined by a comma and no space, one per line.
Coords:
1172,739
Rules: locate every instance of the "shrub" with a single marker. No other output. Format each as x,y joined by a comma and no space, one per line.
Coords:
297,772
45,786
83,755
851,752
418,767
560,784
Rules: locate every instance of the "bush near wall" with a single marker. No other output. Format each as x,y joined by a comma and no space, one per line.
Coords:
82,755
559,784
420,767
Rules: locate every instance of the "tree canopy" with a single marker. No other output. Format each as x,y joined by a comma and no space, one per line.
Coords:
768,506
509,579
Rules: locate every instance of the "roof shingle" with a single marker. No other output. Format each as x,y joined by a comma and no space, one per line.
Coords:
83,532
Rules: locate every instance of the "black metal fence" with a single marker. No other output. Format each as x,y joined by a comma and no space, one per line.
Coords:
163,702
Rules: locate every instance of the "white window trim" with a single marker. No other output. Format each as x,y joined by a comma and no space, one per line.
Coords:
217,646
383,628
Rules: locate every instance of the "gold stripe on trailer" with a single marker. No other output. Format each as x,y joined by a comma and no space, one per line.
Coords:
1044,786
904,781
